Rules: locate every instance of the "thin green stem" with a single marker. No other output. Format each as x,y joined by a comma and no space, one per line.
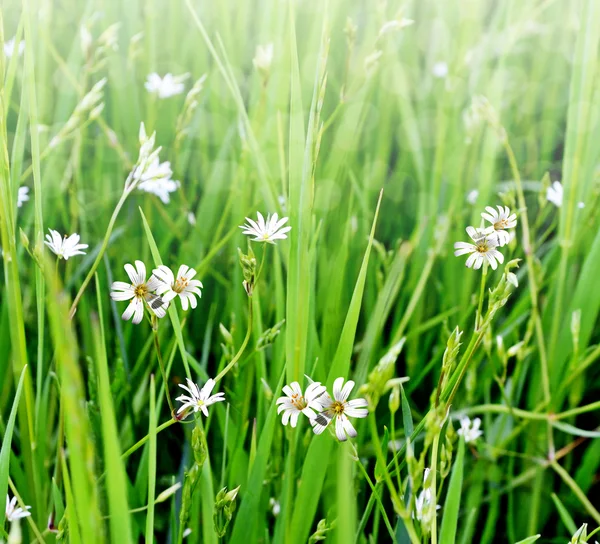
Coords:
161,364
478,316
434,453
90,275
576,490
243,346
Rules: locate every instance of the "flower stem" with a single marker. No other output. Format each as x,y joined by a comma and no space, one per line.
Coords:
88,278
478,316
237,356
434,452
161,364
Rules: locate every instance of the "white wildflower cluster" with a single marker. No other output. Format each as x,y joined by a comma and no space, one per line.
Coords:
321,408
14,512
148,173
470,430
64,246
198,399
88,109
263,58
11,46
167,86
488,239
157,292
267,230
22,196
425,503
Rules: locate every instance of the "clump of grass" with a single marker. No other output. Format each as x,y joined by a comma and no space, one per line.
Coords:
421,400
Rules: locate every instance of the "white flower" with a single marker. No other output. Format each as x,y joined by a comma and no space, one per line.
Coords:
275,506
554,194
64,247
339,408
266,231
483,250
263,57
473,196
199,399
167,86
440,70
23,196
14,512
470,429
184,286
296,403
156,179
581,205
500,220
9,48
139,292
423,502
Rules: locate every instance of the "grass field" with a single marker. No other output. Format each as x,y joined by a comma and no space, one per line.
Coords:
382,130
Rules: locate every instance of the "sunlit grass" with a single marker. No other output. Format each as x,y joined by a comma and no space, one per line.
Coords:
381,131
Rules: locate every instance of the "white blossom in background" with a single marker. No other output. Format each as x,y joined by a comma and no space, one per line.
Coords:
440,70
191,219
473,196
199,399
263,57
340,408
14,512
182,286
274,506
470,429
484,249
424,509
500,220
554,194
167,86
156,179
22,196
295,402
85,39
139,292
64,247
266,231
10,46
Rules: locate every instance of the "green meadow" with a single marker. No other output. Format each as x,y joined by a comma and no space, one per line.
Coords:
401,342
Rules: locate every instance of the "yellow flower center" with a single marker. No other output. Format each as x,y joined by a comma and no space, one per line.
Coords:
140,291
180,284
266,236
299,401
500,225
337,408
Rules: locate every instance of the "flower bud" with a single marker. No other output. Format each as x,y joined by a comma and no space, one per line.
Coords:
224,508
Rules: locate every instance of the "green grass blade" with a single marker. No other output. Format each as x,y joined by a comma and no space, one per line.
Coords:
449,527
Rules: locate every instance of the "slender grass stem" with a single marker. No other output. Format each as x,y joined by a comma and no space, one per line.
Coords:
161,364
478,315
103,247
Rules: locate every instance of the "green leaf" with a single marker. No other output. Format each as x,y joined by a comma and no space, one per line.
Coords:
7,439
570,429
407,419
564,514
529,539
452,504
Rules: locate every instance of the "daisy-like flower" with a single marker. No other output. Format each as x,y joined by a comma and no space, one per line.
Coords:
340,408
140,292
156,179
64,247
11,45
14,512
166,86
470,429
296,403
22,196
554,193
184,286
423,503
500,220
266,231
199,399
440,70
263,57
483,250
